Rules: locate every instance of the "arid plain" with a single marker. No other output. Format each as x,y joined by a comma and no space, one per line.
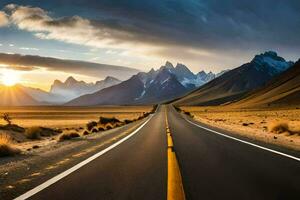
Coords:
280,126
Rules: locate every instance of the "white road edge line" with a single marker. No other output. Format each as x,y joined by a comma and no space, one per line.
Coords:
79,165
245,142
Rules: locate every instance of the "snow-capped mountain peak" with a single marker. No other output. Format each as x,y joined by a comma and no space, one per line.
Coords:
270,59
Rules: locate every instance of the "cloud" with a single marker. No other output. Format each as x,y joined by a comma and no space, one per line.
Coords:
3,19
142,27
74,29
28,63
29,48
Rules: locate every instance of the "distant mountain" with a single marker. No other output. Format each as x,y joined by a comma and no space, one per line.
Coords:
188,78
72,88
156,86
43,96
235,83
20,95
283,90
15,96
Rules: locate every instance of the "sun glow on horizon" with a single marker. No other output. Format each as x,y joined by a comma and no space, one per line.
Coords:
10,78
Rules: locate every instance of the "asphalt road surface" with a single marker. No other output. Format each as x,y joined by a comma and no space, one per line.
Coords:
211,166
216,167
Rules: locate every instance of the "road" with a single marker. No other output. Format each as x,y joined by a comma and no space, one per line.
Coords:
211,167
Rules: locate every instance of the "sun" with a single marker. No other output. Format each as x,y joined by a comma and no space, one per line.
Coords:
10,78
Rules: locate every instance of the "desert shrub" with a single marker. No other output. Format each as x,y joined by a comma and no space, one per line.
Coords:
68,136
278,127
37,132
57,131
33,133
65,136
101,129
119,124
128,121
188,113
86,132
74,135
6,147
91,125
13,127
106,120
141,117
94,130
108,126
46,132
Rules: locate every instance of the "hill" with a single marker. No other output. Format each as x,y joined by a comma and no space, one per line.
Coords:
235,83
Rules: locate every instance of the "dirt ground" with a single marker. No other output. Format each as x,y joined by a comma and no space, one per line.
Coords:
255,124
59,116
67,119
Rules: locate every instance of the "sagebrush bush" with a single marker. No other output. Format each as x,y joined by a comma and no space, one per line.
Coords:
101,129
128,121
37,132
278,127
33,133
91,125
106,120
95,130
68,136
6,147
109,126
86,132
74,135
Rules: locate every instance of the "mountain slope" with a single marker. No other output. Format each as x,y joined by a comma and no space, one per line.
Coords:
283,90
237,82
121,94
43,96
15,96
72,88
145,88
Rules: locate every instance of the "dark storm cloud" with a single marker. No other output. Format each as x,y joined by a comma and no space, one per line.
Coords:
210,23
209,29
29,63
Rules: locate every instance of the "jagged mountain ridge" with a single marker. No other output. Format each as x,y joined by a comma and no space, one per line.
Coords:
283,90
234,84
155,86
72,88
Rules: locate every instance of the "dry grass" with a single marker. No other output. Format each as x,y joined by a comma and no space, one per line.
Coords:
95,130
254,123
37,132
85,132
278,127
91,125
6,146
69,116
33,133
68,136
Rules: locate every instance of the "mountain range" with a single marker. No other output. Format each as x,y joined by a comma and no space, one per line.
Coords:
155,86
236,83
283,90
72,88
266,79
61,92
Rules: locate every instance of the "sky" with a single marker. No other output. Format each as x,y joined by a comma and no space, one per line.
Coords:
210,35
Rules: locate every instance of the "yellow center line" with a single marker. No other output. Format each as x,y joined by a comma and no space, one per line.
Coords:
175,186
